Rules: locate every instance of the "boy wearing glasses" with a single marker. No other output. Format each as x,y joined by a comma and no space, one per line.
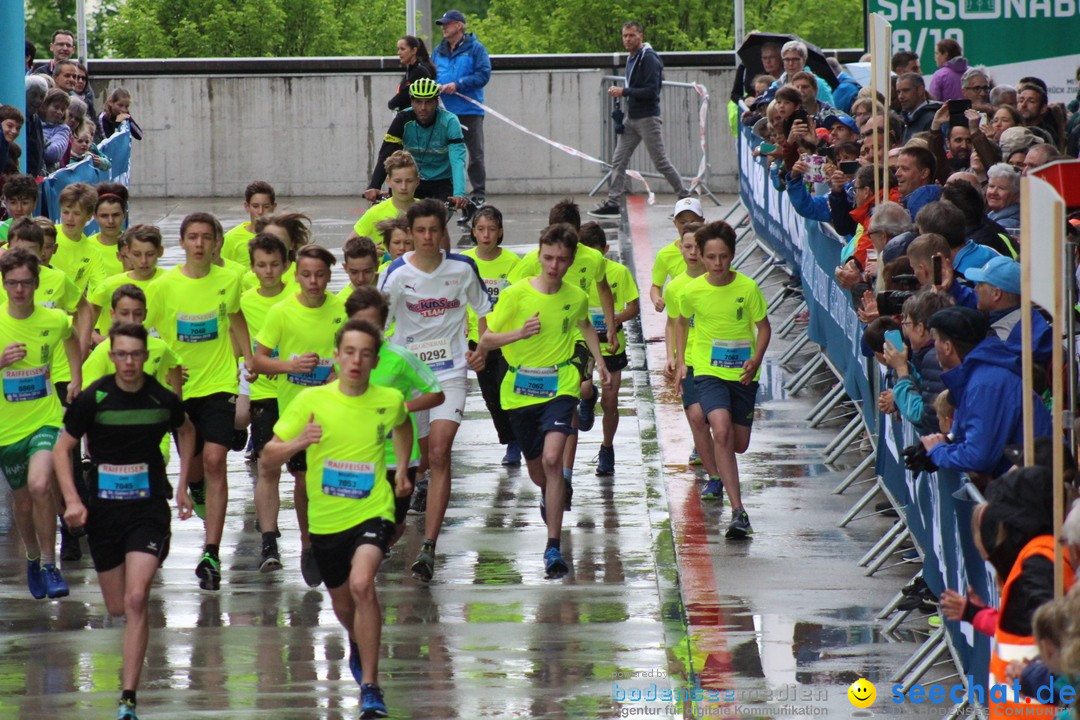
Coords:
125,506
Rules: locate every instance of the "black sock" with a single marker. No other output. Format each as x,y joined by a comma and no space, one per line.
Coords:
128,696
211,549
554,543
270,538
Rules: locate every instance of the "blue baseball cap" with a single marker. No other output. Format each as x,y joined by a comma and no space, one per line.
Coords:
845,119
1001,272
451,16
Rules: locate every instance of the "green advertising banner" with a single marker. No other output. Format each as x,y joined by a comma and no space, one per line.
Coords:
1013,38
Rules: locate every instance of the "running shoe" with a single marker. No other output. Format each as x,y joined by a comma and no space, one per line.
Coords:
554,565
740,526
271,558
198,498
605,462
423,568
714,490
371,702
608,209
512,458
70,550
419,498
695,458
309,568
209,572
354,663
34,579
126,711
55,585
587,413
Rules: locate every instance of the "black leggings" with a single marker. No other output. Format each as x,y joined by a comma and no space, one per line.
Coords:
490,379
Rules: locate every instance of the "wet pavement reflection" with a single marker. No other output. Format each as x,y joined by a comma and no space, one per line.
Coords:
490,637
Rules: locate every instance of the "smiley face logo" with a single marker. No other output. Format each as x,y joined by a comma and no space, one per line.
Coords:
862,693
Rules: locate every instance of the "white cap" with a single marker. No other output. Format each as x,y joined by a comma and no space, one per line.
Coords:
688,203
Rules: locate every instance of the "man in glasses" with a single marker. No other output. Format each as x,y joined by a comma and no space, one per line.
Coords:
62,47
975,86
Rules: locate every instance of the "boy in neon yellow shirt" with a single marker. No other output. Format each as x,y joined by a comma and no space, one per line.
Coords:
30,414
669,260
195,307
342,428
361,263
20,197
732,333
301,328
403,177
534,321
627,307
110,212
143,248
259,199
75,256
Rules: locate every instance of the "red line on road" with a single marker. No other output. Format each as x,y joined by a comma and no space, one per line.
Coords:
705,615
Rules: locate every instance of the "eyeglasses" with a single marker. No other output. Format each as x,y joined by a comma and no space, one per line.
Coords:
978,88
793,59
121,355
19,283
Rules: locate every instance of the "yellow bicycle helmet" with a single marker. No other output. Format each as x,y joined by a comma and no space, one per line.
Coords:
424,89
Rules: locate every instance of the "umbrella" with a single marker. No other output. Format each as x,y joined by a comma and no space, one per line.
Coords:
750,57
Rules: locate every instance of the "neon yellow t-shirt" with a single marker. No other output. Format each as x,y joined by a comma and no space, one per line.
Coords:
624,291
102,295
78,259
539,365
294,330
672,302
589,267
109,255
725,317
256,307
193,317
669,264
235,247
365,226
494,274
346,469
55,290
29,401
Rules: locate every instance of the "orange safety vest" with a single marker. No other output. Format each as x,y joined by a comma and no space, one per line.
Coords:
1009,648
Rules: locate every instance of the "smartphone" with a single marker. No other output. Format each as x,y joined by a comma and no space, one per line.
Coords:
850,167
894,338
957,108
937,270
799,114
765,148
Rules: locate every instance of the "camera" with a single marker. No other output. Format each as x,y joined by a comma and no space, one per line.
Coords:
891,302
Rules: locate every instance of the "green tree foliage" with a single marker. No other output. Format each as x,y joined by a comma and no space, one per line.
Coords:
43,17
254,28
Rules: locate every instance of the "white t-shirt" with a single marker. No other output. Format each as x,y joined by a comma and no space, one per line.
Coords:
428,310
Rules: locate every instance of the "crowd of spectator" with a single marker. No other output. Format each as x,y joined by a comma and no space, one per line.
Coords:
932,241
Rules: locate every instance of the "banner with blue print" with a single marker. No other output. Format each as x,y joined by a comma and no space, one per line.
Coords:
936,507
116,147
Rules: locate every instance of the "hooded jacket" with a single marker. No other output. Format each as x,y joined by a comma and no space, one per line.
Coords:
920,119
945,84
469,66
644,78
914,395
987,388
1007,217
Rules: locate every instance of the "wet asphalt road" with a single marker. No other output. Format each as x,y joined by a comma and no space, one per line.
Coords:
490,637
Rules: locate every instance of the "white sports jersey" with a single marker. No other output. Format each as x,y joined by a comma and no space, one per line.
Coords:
429,310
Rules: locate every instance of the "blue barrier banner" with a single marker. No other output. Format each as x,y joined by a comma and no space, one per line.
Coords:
116,147
935,506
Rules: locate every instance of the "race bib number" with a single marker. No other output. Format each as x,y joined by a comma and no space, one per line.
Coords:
29,384
536,382
124,482
319,376
436,353
197,328
729,353
348,479
494,286
599,323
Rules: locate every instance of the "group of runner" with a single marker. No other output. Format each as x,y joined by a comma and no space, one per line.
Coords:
359,395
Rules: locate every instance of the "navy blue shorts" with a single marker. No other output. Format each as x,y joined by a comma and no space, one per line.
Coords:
532,423
689,389
738,399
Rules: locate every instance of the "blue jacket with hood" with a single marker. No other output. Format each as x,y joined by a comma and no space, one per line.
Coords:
469,67
987,389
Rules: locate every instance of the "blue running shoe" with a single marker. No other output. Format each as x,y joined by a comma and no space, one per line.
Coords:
554,565
354,663
55,585
714,490
695,457
512,458
371,702
126,711
605,462
34,579
587,413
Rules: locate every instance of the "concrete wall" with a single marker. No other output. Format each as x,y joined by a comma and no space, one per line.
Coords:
209,135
